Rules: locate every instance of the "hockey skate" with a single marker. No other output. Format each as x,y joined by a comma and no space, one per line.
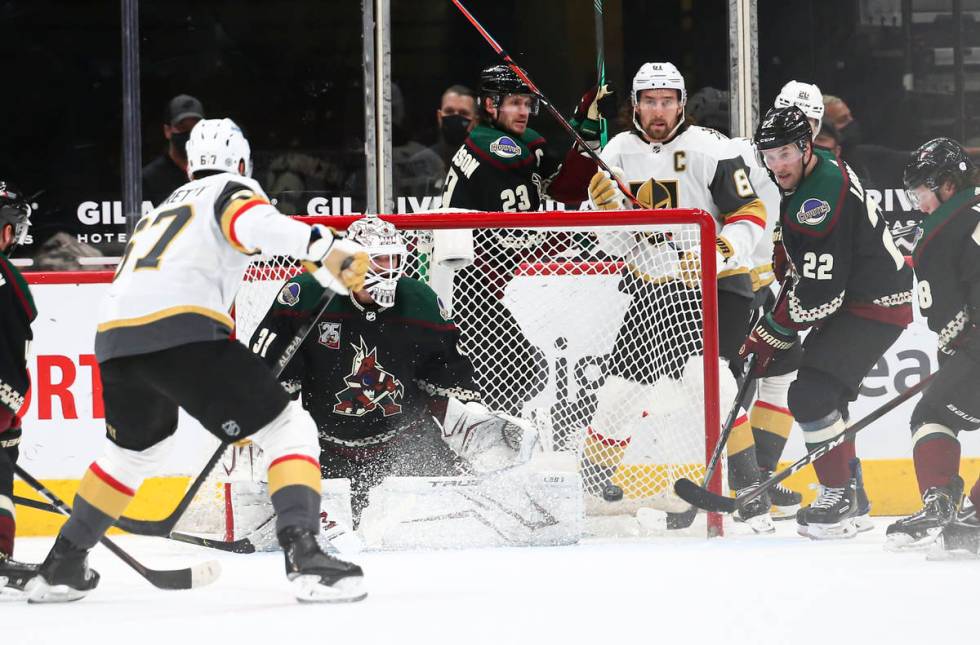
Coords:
960,539
63,576
862,518
918,531
756,513
13,577
831,515
785,502
317,576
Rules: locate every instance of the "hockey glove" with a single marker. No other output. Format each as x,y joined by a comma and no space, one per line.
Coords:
336,263
587,119
605,194
690,264
768,339
780,262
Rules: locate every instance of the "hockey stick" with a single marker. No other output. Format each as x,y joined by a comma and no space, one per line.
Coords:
562,121
198,575
706,500
600,46
244,545
163,527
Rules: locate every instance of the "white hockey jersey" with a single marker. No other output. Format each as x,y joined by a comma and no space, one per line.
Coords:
698,168
177,280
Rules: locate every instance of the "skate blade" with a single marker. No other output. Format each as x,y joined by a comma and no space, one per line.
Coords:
38,592
843,530
309,588
782,513
761,524
904,543
8,593
863,523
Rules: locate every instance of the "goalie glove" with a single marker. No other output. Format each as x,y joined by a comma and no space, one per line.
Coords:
768,339
336,263
489,441
605,194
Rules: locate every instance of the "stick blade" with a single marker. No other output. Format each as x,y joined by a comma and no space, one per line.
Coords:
205,573
198,575
702,498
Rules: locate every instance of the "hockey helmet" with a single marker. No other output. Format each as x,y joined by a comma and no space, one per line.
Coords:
659,76
783,126
935,162
498,81
218,144
805,96
16,211
383,242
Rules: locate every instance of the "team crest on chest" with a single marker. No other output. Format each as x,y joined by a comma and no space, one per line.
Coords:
369,387
505,147
329,334
660,193
813,211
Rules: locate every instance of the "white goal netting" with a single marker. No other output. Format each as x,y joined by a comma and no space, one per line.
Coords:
589,325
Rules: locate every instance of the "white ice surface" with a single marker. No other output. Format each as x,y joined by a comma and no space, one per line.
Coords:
739,589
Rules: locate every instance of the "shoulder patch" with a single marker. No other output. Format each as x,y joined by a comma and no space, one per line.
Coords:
505,147
289,294
813,211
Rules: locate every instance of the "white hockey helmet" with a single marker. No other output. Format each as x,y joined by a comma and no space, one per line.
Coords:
805,96
382,240
218,144
658,76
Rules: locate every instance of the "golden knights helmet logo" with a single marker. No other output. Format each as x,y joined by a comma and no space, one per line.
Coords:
369,387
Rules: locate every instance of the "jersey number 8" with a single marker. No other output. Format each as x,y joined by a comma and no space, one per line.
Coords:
925,294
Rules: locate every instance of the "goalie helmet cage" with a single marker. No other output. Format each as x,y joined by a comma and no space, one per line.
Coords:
582,322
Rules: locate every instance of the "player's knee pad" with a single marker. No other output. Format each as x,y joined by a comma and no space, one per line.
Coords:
131,467
293,432
932,418
823,429
927,431
813,396
774,390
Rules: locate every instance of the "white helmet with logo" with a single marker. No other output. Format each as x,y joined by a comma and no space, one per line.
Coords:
218,144
382,241
658,76
805,96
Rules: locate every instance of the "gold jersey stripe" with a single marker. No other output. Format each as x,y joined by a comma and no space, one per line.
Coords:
139,321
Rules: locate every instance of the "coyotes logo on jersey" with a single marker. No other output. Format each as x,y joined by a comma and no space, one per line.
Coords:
369,387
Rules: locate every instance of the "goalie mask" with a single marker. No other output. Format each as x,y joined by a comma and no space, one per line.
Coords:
934,163
219,145
499,81
805,96
387,249
16,211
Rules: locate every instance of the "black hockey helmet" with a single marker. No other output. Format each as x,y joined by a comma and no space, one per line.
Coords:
937,161
783,126
16,211
708,107
498,81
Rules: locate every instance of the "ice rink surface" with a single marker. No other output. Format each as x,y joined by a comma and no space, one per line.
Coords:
739,589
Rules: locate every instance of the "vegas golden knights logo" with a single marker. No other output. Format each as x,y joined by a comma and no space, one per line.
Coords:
659,193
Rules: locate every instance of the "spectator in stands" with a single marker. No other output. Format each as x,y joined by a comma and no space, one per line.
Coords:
168,172
708,107
414,166
828,137
877,166
456,116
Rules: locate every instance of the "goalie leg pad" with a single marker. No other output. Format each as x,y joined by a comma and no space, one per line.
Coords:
513,508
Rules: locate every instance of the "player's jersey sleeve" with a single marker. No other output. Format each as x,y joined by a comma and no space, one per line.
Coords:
742,214
295,302
468,183
250,223
16,313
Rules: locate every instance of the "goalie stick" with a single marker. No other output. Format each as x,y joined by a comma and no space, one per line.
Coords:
163,527
706,500
562,121
192,577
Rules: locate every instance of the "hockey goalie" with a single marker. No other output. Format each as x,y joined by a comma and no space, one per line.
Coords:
400,418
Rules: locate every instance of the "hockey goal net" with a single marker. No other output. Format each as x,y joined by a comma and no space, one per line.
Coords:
586,324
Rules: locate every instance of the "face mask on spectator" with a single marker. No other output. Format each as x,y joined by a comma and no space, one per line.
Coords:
454,129
179,142
850,135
